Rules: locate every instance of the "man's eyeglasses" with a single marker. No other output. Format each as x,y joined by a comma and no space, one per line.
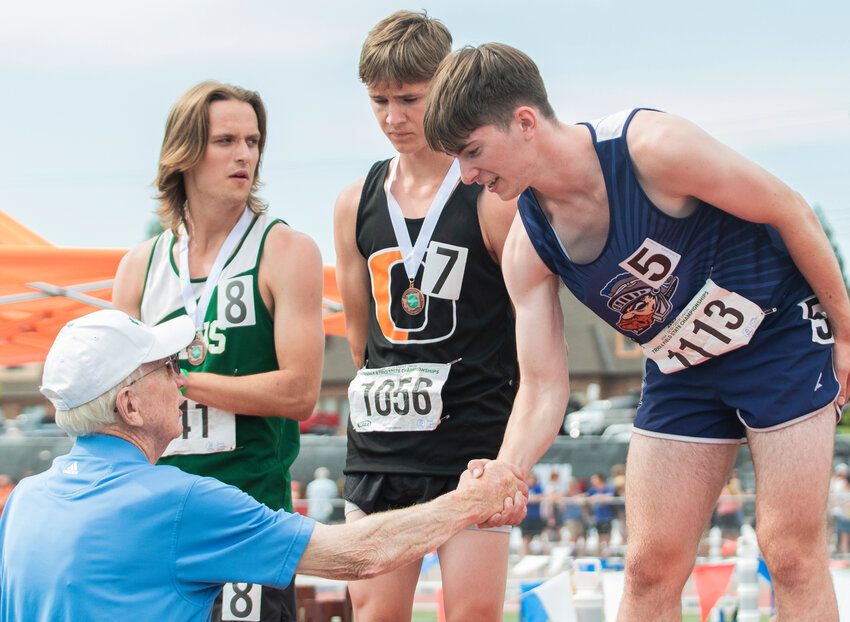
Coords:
172,362
173,365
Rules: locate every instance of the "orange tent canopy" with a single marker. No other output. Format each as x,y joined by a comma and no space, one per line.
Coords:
332,315
42,287
14,233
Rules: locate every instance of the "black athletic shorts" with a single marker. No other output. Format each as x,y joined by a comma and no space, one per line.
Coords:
378,492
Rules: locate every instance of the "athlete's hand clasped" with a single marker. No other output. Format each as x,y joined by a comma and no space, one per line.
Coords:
514,507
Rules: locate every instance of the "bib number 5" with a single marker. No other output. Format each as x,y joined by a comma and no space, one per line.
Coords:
652,263
813,311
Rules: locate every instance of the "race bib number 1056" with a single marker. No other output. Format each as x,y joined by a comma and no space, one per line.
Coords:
402,398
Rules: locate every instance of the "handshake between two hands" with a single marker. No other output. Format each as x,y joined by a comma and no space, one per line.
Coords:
499,489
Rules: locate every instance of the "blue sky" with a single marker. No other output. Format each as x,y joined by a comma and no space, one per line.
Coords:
88,85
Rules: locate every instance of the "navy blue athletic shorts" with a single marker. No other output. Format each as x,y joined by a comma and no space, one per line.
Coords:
784,374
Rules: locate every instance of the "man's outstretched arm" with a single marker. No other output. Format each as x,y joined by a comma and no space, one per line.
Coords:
385,541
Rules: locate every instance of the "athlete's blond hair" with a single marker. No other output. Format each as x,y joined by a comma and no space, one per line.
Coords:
186,136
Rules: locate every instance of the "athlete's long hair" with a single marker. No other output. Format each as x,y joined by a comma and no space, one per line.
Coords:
185,141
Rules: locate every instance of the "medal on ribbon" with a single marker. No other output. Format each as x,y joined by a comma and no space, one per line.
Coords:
412,299
196,352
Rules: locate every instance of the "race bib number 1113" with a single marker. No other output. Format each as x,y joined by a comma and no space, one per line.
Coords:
714,322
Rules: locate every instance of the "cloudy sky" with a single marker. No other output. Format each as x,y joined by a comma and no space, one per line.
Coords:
88,85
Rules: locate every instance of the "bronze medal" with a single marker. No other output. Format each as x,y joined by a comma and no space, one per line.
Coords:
196,351
412,301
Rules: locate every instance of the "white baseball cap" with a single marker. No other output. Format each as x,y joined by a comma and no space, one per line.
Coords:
93,353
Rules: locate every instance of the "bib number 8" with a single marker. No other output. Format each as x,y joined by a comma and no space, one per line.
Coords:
241,601
235,310
236,302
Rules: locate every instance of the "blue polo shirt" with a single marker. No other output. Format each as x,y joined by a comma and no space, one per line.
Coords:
106,535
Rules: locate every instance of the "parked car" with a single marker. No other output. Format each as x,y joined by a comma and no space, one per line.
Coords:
599,414
33,421
320,422
573,405
621,432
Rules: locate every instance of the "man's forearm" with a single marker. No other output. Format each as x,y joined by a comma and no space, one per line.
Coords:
385,541
533,425
271,394
810,249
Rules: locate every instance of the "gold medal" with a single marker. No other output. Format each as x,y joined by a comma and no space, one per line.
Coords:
197,350
412,300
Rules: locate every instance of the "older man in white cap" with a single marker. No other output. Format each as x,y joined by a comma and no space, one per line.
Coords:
107,535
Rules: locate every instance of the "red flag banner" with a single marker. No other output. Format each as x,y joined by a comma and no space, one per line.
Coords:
711,582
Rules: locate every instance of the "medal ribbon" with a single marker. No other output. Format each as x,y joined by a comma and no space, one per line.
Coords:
197,310
412,254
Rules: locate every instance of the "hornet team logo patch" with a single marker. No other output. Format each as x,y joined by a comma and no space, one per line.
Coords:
640,305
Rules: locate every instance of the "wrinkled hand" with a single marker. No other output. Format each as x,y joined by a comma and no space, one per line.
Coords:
513,508
496,486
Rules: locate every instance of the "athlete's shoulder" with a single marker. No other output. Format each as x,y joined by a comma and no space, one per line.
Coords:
349,197
615,125
659,143
285,247
140,254
130,278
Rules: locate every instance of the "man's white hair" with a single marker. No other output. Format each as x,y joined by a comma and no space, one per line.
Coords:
91,417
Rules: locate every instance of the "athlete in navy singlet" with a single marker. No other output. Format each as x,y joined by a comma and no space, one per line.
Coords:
718,270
